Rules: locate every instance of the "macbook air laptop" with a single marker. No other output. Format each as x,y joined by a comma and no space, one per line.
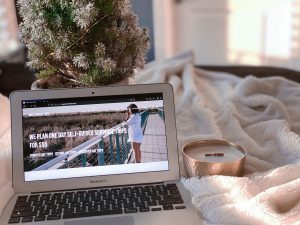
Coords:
88,156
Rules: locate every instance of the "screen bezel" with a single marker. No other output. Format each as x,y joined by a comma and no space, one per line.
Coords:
19,183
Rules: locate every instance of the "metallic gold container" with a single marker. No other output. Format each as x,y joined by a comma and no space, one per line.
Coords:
213,157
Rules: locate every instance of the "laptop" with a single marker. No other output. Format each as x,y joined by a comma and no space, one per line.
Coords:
87,156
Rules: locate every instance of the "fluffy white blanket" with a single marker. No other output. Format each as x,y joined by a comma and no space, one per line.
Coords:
260,114
6,190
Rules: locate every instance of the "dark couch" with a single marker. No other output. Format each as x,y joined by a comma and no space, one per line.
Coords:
15,76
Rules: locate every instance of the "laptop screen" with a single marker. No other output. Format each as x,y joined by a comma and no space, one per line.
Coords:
93,136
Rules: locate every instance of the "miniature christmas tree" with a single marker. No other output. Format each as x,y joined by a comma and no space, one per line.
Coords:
82,42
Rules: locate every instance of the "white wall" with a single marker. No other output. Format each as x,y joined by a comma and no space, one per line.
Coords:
8,27
231,32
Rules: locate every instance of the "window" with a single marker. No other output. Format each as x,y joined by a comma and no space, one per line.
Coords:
9,40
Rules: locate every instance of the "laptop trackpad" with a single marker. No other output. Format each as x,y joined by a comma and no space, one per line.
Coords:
124,220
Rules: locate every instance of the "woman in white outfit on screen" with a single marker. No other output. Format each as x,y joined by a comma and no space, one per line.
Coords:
135,132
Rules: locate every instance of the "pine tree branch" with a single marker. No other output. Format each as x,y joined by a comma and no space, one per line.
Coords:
70,78
87,30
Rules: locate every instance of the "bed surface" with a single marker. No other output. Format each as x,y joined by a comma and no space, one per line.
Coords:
261,114
16,76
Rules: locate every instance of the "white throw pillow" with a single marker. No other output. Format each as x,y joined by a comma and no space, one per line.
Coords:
4,115
6,191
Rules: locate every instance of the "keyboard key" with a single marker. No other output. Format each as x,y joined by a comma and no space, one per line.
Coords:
180,207
33,198
146,209
40,207
22,198
152,203
39,218
69,210
170,202
171,186
44,212
75,205
116,206
57,195
86,204
61,201
154,198
128,205
105,207
80,209
164,197
140,204
27,219
168,207
53,217
52,206
23,209
63,206
156,209
23,214
174,192
144,199
134,210
23,204
92,208
56,211
90,214
14,220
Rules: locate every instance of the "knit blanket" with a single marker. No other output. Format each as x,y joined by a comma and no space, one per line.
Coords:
6,191
263,116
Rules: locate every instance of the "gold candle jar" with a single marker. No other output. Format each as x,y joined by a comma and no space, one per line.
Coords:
213,157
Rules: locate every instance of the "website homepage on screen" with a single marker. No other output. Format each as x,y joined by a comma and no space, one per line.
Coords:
93,136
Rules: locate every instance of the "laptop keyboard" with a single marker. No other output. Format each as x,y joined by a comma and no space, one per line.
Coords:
96,202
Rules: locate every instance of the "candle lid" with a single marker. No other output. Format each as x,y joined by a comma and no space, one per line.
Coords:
212,157
212,149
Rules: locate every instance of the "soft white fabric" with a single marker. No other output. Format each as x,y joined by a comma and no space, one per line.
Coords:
260,114
135,133
263,115
4,115
6,190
